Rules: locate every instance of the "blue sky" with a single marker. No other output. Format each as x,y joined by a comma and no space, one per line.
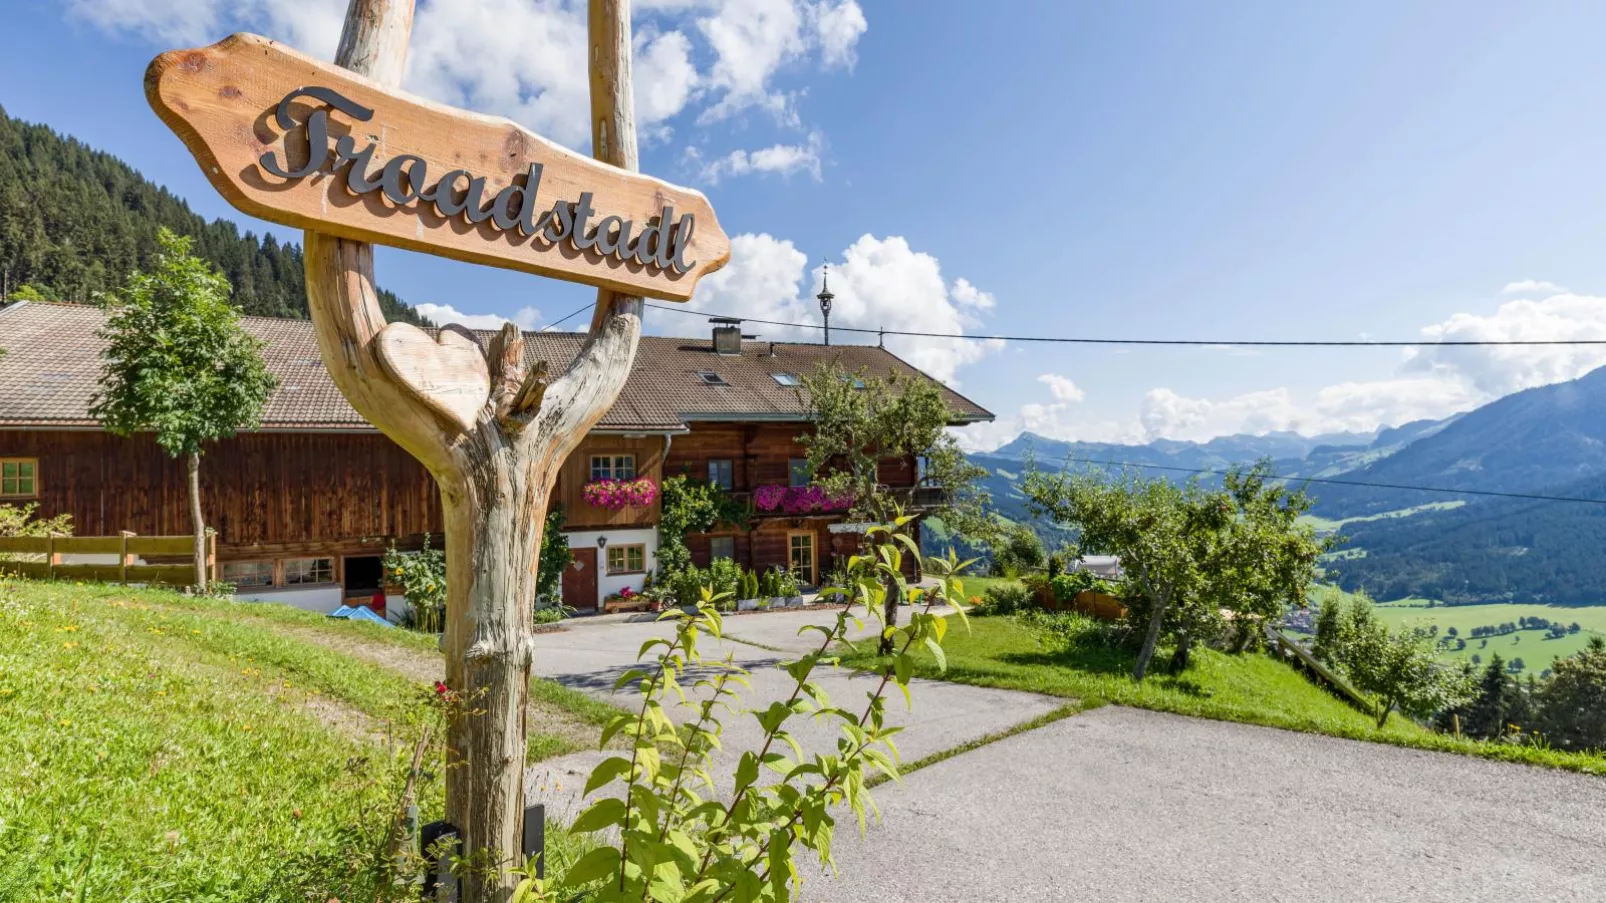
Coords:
1225,170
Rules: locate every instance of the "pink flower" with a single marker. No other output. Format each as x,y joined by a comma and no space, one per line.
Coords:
768,497
616,494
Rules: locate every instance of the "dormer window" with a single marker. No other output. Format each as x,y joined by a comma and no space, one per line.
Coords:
711,378
789,380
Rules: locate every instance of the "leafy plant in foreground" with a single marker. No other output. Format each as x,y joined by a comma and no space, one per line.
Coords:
677,834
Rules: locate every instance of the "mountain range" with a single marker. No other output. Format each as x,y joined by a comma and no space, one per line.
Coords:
1402,539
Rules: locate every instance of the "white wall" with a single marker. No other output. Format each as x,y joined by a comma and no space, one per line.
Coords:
622,537
322,599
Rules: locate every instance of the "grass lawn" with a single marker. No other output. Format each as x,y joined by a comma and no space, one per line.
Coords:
1251,688
160,748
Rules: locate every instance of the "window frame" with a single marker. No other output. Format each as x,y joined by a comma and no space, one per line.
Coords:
17,478
624,550
712,555
272,572
291,562
729,467
813,576
712,378
786,379
611,469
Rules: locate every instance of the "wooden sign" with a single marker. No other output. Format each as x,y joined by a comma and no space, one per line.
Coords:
296,141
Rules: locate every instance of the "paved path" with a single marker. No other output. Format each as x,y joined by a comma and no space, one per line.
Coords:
1126,805
590,657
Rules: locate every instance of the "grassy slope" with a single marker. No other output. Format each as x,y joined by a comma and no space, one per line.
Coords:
160,748
1252,688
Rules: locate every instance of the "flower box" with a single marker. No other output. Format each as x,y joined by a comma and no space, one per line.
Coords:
746,604
619,494
773,497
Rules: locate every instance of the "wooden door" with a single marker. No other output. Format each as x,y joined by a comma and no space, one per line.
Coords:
580,580
800,556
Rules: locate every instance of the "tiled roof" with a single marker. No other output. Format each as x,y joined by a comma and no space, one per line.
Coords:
50,370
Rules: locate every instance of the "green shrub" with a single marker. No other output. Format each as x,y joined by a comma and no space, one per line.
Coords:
1006,599
1066,586
741,840
786,584
422,577
724,577
1063,629
749,585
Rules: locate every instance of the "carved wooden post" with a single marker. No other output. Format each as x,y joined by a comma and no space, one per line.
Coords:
493,434
294,140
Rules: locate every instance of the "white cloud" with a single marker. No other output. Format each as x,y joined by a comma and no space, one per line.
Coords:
879,283
839,27
1063,390
751,40
779,159
526,59
1432,381
525,319
1495,370
1530,286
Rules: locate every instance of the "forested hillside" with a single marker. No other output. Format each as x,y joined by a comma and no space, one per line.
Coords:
1492,550
75,221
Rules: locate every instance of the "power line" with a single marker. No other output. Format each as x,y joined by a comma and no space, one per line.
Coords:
553,325
1259,343
1361,483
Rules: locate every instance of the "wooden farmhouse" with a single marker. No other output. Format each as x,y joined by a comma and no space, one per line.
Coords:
305,506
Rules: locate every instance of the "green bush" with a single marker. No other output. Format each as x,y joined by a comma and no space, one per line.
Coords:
724,577
789,585
422,577
744,839
749,585
1063,629
1006,599
1066,586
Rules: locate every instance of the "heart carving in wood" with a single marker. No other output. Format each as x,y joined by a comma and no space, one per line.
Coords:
449,374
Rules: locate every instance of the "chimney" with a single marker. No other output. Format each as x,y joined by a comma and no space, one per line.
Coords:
727,335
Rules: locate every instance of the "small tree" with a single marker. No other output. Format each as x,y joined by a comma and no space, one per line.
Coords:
1497,702
178,364
1262,560
859,420
1403,670
1017,550
1572,705
1154,526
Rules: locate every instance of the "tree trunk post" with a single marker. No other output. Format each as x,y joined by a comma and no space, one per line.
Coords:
496,474
1151,638
197,522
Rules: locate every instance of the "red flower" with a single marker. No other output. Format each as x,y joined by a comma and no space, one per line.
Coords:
440,689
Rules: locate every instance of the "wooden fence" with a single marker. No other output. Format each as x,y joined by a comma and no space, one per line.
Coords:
1289,647
44,558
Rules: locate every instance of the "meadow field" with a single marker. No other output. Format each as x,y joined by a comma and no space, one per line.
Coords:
1532,646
